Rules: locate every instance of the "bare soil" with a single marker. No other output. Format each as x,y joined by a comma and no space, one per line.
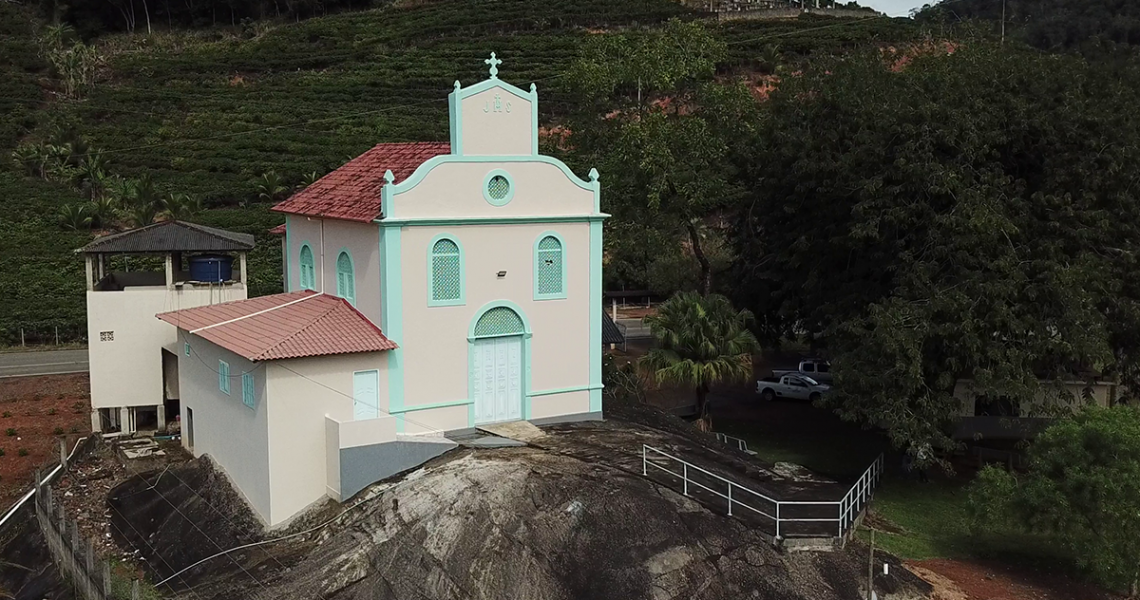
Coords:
35,412
970,580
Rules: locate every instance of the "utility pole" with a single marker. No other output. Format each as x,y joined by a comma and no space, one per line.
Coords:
1003,22
871,567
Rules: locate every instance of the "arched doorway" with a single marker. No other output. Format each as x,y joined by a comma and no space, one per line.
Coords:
498,379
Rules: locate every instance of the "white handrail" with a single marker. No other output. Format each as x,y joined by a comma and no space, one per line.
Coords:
847,508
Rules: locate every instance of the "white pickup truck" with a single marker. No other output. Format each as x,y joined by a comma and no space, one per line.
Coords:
794,387
819,370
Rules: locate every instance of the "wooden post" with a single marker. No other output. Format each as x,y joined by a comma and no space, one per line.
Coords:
871,567
63,454
135,590
107,579
21,337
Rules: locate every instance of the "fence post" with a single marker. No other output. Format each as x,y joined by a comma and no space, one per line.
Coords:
135,590
62,454
777,519
644,468
730,499
57,335
21,337
107,579
685,476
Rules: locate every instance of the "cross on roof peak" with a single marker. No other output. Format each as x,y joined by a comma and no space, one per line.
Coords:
494,62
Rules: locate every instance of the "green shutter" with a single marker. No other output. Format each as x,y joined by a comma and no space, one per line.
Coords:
247,389
549,275
345,279
446,271
224,376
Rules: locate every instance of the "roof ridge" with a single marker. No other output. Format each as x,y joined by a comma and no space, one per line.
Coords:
264,354
254,314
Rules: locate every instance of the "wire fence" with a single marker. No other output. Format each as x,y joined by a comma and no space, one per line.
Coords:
43,334
92,576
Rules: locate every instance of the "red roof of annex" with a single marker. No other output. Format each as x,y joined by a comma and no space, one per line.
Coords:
292,325
352,192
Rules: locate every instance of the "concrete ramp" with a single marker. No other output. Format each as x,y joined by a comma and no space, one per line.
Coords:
521,431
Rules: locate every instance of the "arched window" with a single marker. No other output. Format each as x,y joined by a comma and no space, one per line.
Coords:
446,268
308,273
345,279
549,268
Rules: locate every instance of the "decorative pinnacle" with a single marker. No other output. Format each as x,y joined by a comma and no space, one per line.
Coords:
457,86
389,177
593,174
533,88
494,62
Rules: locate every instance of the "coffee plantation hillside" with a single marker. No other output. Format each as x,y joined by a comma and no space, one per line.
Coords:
236,118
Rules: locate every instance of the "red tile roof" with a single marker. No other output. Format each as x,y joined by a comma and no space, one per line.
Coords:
292,325
279,230
352,192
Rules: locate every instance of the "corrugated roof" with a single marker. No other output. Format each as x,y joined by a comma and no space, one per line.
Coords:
352,192
170,236
611,334
292,325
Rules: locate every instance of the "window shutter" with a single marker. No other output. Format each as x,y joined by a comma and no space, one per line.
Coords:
224,376
446,271
247,392
549,271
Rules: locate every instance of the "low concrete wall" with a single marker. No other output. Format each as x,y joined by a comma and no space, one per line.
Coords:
360,453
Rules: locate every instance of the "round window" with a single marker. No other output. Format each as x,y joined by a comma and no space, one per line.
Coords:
498,187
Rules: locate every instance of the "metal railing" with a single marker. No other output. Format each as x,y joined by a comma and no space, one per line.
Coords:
728,440
842,513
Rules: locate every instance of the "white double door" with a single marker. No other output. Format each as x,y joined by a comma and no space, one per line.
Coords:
498,373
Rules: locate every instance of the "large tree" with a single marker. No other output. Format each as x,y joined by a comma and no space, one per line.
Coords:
1082,486
649,115
972,214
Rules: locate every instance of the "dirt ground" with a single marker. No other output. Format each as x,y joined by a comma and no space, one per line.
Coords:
967,580
34,413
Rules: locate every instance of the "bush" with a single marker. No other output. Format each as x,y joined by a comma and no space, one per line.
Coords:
57,431
10,432
51,411
22,452
1082,486
6,414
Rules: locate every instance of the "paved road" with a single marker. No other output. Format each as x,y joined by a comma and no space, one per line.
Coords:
54,362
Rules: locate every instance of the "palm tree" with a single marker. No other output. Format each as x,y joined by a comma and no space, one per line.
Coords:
104,209
271,187
180,207
309,179
701,340
139,214
75,217
91,175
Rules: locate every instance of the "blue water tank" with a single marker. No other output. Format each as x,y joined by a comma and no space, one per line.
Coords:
208,267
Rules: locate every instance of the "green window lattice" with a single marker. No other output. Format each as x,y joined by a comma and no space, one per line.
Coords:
549,266
498,187
446,271
498,321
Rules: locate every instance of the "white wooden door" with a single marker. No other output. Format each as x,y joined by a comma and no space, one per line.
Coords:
498,379
365,395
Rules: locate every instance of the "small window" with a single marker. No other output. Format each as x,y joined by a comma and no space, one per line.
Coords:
186,348
497,188
446,284
247,396
308,272
106,336
809,367
345,279
224,376
549,269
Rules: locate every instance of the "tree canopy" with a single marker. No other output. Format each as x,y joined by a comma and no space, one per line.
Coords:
972,215
1082,486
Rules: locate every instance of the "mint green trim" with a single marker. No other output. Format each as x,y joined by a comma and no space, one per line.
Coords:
565,390
301,266
288,250
392,189
462,299
435,222
510,187
392,316
526,355
186,348
455,108
420,407
561,295
351,273
597,187
475,88
596,316
534,119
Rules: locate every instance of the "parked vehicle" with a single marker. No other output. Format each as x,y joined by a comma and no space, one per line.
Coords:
794,387
819,370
